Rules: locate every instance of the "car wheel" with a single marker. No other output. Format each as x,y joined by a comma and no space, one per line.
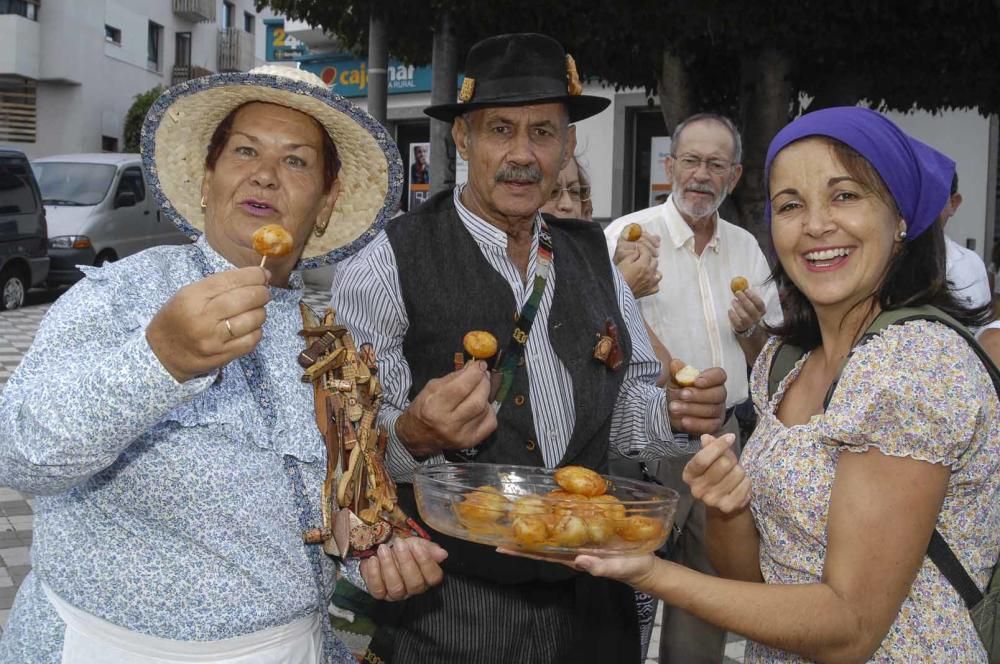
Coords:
13,289
105,257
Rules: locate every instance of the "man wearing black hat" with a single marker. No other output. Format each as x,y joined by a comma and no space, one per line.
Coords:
483,258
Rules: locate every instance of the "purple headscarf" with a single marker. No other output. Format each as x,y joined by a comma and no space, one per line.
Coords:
918,176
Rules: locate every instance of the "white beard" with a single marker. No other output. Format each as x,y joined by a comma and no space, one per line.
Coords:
700,210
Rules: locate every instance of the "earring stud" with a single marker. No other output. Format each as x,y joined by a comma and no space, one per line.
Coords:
203,206
902,235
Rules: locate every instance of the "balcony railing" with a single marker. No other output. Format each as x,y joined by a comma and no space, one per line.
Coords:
195,10
181,73
235,50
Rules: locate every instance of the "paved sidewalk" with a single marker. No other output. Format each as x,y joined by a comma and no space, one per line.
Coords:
17,330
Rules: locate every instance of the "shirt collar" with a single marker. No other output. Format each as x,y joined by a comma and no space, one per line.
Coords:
218,263
481,230
680,232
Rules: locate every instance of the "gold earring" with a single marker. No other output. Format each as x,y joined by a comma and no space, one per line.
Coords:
203,206
320,227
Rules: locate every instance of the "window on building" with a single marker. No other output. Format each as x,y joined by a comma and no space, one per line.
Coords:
109,143
228,15
18,110
25,8
182,49
113,35
154,46
248,22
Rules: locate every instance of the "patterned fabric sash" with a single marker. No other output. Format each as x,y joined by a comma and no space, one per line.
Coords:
511,356
255,380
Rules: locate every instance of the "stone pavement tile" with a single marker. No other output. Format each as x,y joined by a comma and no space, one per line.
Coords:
7,597
4,614
15,508
5,580
26,537
9,539
22,522
18,573
16,556
9,494
735,650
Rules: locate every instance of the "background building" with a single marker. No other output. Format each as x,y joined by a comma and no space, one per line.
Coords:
72,94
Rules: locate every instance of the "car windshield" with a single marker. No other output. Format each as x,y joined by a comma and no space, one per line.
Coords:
69,183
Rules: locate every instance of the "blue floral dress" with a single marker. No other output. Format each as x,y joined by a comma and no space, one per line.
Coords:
164,508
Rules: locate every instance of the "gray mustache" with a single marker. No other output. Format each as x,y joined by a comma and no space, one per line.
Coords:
519,174
701,188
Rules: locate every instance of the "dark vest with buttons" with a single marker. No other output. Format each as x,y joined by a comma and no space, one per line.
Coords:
449,288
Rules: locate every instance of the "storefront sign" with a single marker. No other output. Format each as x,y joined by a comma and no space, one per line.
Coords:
348,76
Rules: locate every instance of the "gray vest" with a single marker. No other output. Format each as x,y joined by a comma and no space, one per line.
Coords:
449,288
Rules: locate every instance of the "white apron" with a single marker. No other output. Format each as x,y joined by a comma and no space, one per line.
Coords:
92,640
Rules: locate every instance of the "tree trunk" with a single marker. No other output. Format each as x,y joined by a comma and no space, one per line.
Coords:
765,102
674,88
444,63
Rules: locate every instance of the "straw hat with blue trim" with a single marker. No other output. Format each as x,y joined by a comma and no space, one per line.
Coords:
179,127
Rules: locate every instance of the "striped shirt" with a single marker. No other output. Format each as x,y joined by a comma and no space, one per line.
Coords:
368,300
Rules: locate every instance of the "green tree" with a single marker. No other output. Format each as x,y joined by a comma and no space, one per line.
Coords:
758,62
135,116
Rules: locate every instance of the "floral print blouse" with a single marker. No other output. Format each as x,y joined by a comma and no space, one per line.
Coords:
164,508
916,390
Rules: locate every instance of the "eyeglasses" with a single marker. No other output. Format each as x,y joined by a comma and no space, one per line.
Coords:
690,162
577,194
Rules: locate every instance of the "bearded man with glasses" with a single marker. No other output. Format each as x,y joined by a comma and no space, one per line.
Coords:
696,314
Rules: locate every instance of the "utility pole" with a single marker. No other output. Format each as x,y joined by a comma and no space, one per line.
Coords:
444,63
378,63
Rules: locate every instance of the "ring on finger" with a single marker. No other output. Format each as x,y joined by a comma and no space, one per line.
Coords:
230,328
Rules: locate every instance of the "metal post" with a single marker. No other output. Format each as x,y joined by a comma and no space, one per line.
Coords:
443,89
378,62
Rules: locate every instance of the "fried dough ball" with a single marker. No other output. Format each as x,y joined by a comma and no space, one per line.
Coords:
686,376
480,344
632,232
272,240
530,530
637,528
484,505
600,529
570,531
528,506
581,481
610,506
739,284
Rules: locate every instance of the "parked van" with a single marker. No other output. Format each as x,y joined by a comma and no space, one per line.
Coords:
99,210
23,241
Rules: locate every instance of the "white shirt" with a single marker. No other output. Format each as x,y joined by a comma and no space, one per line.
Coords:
966,274
690,312
368,300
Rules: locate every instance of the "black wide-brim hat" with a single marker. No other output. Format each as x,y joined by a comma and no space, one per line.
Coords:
519,70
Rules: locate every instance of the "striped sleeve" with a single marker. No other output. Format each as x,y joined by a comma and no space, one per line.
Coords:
367,298
640,427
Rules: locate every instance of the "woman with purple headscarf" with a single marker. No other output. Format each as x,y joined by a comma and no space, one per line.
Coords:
822,526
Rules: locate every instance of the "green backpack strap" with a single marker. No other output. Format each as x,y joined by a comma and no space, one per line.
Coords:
781,365
787,355
927,312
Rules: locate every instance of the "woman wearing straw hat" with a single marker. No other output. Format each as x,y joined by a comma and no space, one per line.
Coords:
159,415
